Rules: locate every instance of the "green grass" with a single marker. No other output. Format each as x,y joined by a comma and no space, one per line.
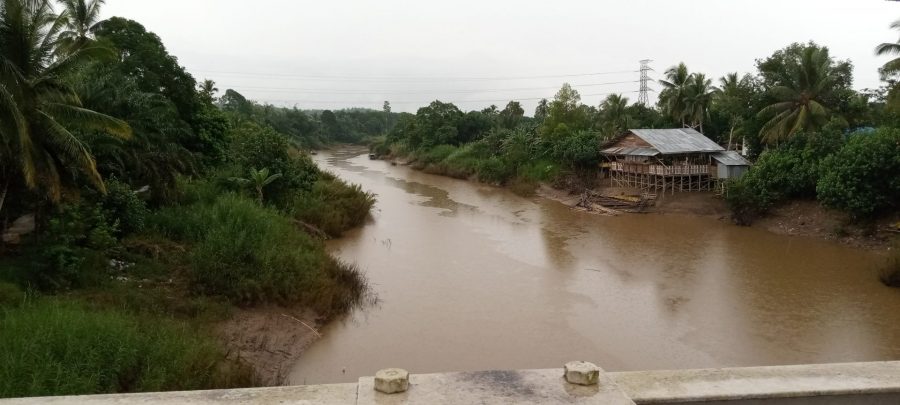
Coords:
57,347
251,254
333,206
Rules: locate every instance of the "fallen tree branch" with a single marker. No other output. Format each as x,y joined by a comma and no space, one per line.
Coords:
304,324
311,229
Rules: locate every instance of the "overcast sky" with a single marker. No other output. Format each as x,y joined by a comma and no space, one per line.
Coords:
337,54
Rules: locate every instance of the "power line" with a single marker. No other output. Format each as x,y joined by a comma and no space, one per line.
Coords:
388,92
407,78
428,101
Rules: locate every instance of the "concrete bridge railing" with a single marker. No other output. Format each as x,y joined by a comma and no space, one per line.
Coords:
832,384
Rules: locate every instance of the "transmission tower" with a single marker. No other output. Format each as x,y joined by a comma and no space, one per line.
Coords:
644,97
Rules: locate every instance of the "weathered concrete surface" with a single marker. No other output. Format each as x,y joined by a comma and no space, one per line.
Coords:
822,384
582,373
391,380
495,387
847,383
335,394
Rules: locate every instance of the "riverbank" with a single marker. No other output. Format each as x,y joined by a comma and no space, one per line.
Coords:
270,339
794,218
508,274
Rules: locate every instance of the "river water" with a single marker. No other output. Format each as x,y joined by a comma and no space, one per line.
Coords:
472,277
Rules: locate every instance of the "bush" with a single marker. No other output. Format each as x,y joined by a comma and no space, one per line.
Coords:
252,254
10,295
333,206
74,247
863,178
123,206
257,147
789,171
495,170
578,150
58,348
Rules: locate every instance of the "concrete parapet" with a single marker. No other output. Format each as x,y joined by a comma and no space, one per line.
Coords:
832,384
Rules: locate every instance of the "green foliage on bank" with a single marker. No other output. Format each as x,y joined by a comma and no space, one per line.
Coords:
57,347
853,173
158,207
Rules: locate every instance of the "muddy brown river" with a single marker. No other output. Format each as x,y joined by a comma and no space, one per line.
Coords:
472,277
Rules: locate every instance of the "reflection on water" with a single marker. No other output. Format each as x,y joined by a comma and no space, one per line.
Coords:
472,277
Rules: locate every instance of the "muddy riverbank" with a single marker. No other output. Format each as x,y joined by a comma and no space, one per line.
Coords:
473,277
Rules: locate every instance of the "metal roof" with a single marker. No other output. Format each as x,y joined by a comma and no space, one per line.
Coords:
677,140
632,151
730,158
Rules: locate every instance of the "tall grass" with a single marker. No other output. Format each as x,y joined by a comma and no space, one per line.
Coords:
52,347
333,205
251,254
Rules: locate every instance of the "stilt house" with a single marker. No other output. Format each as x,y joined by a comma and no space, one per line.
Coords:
681,159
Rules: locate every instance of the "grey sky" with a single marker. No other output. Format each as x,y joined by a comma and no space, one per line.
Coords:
335,54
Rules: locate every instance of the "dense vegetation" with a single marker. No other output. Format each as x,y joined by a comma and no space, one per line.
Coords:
814,136
157,207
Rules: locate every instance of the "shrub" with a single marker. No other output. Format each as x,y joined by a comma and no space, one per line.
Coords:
862,178
10,295
494,170
122,205
256,147
73,248
58,348
251,254
437,154
578,150
333,206
789,171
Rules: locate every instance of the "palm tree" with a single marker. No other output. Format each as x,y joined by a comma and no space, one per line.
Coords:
259,179
208,91
890,48
798,106
614,114
38,110
698,95
731,98
81,17
673,94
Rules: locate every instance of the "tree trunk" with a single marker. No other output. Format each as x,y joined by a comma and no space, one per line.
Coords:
3,193
730,137
259,195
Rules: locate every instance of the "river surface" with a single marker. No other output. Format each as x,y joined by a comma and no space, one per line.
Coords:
473,277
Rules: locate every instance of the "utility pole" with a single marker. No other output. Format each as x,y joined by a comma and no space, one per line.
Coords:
644,97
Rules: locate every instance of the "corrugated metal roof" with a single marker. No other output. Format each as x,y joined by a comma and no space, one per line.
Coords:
632,151
730,158
677,140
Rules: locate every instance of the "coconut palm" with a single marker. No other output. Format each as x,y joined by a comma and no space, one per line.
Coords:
890,48
798,105
81,17
259,179
698,95
673,95
730,97
208,91
614,114
38,110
